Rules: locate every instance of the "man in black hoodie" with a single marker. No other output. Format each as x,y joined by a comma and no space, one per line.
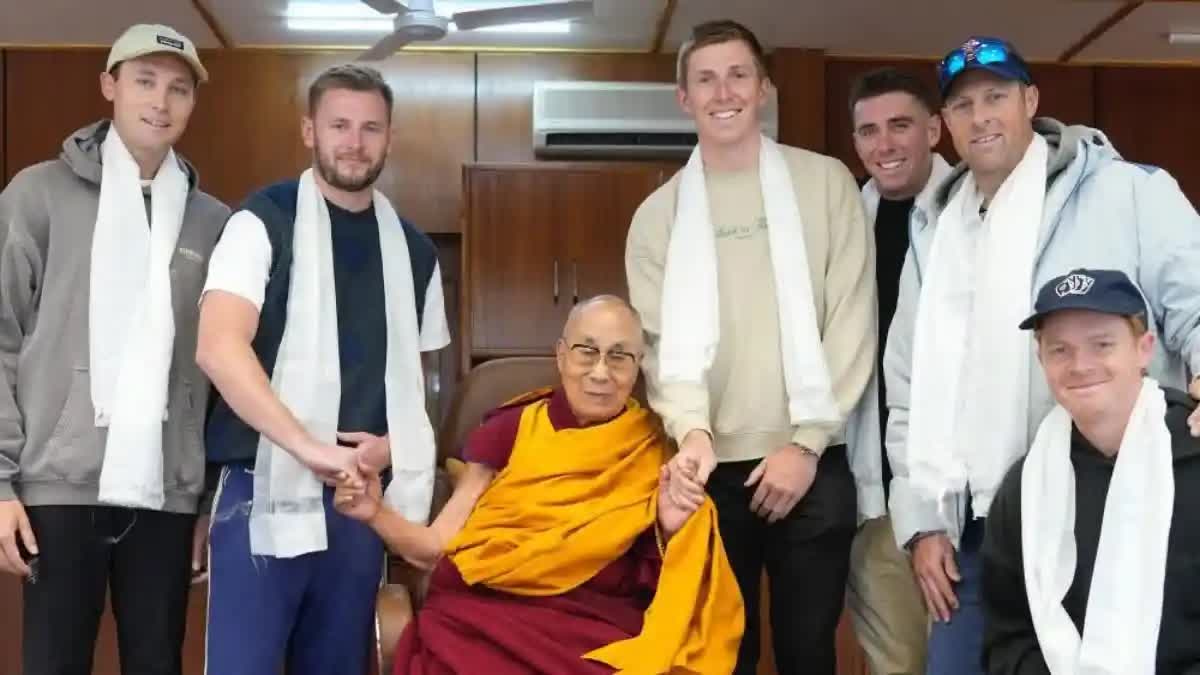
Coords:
1091,558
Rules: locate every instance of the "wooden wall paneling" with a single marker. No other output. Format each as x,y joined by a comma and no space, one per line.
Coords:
600,206
447,362
505,91
1065,91
10,624
840,75
239,147
519,292
799,76
106,654
464,315
245,131
49,94
434,131
1149,113
851,660
3,174
105,659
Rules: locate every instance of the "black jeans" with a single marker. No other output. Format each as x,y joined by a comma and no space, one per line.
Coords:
143,557
807,558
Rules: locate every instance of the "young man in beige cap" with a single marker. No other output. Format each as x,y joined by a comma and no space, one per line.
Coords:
103,253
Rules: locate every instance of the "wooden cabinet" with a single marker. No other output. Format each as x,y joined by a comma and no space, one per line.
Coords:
537,238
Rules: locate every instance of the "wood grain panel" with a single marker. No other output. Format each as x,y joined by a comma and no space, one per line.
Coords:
246,129
799,76
518,294
10,624
48,95
602,203
840,75
539,237
1150,116
505,92
105,662
1066,93
850,657
3,174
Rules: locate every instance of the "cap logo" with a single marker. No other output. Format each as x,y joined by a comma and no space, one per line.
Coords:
170,42
1074,284
970,49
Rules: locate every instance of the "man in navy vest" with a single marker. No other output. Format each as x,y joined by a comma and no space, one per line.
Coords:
313,345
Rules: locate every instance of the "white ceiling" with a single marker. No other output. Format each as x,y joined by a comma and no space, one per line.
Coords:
1041,29
1142,35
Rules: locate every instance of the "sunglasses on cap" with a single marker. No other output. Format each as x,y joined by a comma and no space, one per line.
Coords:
998,55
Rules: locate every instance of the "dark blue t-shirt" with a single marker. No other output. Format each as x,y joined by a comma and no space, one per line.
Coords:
361,315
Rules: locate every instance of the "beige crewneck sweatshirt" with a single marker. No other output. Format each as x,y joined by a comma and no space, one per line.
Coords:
744,405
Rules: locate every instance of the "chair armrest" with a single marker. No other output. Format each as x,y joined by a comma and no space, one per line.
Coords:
454,470
399,599
393,613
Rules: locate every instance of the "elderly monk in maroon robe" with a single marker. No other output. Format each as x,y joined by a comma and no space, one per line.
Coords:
555,554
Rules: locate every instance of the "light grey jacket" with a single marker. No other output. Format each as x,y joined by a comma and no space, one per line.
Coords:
1100,212
862,426
50,448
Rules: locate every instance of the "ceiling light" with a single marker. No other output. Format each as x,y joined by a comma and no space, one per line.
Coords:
359,18
340,25
1183,38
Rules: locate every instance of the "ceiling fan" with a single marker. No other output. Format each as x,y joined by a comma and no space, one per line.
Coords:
416,20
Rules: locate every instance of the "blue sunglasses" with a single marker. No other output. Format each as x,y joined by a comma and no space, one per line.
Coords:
984,51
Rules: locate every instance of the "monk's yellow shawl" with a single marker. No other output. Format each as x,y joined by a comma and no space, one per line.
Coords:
571,501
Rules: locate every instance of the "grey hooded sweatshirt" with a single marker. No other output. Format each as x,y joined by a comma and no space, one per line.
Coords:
51,450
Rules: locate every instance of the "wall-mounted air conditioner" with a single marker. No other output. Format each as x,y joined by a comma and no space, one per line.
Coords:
618,120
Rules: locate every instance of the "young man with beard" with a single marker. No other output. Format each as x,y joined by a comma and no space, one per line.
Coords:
1033,197
752,269
102,257
1090,557
896,126
314,346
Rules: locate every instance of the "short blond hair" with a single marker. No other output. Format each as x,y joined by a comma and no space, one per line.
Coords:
1137,325
715,33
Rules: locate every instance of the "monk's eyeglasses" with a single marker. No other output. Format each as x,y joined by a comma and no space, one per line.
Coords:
617,360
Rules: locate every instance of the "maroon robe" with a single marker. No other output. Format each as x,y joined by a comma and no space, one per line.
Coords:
463,630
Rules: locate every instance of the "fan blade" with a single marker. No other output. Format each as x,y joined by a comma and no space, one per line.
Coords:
558,11
385,6
384,48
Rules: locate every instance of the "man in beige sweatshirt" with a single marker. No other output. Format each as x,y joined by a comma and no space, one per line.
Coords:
780,477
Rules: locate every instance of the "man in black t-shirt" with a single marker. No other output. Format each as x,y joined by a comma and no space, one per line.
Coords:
1092,541
318,303
895,130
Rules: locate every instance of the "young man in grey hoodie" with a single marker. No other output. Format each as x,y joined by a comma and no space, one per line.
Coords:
103,253
1033,199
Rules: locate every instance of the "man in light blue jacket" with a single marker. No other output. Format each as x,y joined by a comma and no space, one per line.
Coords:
1032,200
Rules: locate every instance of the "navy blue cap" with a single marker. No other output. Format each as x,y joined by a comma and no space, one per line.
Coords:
994,55
1107,291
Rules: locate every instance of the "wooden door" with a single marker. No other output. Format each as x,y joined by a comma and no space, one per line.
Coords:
601,205
513,253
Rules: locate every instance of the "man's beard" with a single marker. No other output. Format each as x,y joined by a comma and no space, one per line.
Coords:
339,181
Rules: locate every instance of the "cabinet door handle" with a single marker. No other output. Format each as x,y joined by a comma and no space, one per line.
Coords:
556,281
574,283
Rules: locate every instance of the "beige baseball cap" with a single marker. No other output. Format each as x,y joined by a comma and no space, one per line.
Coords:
145,38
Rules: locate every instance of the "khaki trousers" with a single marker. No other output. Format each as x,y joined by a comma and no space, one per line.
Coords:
885,603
